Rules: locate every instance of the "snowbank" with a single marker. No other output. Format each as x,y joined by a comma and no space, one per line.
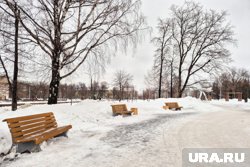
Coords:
93,119
92,115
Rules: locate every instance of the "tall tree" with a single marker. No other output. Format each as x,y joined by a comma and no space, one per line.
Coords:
10,45
15,70
70,31
201,37
94,68
162,43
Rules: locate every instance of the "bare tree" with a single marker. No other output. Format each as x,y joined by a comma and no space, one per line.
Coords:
171,65
162,43
70,31
234,77
168,76
148,94
232,80
9,19
94,68
190,43
95,90
121,80
103,89
83,91
151,80
200,36
115,93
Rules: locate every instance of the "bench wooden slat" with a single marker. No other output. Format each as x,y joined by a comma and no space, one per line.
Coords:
31,126
37,128
53,133
32,135
50,133
18,124
120,109
34,130
30,117
172,105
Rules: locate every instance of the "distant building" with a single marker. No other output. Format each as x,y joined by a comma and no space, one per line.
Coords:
4,88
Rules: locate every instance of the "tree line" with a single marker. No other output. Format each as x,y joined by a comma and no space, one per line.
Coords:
120,88
61,36
233,80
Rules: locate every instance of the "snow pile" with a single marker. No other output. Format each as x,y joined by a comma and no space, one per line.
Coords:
92,121
232,103
92,115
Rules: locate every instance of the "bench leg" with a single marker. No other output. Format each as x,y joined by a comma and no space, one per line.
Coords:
27,147
115,114
126,114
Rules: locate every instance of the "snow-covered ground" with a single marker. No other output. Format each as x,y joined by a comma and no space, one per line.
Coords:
155,137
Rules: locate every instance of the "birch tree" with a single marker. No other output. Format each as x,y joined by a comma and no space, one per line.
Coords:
69,31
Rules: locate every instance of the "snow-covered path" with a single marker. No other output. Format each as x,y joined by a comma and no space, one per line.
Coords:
165,138
155,142
228,129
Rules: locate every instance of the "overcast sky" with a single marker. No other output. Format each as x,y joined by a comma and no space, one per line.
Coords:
141,61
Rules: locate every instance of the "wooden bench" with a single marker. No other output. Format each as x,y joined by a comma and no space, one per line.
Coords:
29,131
134,111
173,105
120,109
165,107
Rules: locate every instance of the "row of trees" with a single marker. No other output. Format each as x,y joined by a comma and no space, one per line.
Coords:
120,88
233,80
190,44
63,34
230,80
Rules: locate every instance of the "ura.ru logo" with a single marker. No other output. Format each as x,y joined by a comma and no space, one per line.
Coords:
216,158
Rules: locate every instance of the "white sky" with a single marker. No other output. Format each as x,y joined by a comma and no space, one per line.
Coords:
140,62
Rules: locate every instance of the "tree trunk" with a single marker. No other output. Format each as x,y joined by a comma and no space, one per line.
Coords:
54,84
171,80
55,80
15,73
120,93
91,88
180,81
160,79
185,83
